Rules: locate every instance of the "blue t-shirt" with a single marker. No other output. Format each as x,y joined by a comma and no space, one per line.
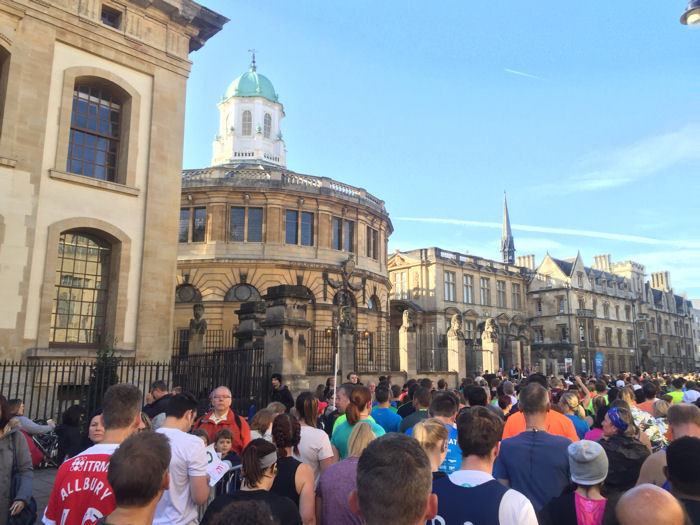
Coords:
580,425
536,464
387,419
453,460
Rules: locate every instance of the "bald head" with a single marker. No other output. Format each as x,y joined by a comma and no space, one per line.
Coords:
649,504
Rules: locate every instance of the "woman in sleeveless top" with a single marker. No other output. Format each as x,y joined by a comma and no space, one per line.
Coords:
294,479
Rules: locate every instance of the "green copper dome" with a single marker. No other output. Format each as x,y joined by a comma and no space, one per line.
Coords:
251,84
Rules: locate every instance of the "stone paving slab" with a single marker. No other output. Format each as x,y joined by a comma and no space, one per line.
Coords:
43,483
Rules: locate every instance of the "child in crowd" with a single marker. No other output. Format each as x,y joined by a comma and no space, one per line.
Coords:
202,434
223,444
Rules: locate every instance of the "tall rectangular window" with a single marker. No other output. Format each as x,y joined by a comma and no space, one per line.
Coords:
401,285
485,291
307,228
237,225
561,305
183,232
200,225
372,237
449,286
501,293
348,236
469,329
255,217
468,288
337,233
608,336
291,227
515,289
343,235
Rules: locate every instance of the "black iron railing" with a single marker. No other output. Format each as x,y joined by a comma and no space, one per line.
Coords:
321,351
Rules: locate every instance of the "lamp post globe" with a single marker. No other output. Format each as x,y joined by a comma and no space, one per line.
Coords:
691,17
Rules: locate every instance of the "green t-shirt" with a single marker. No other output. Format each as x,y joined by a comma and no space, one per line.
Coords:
341,434
677,395
343,418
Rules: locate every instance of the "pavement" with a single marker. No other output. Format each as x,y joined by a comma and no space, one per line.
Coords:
43,483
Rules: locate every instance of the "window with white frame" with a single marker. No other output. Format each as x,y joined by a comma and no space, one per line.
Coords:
247,123
485,283
267,125
501,294
449,286
468,288
515,292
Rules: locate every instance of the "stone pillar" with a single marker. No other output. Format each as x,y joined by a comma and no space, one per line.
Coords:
456,355
250,331
347,354
286,333
195,343
408,350
489,358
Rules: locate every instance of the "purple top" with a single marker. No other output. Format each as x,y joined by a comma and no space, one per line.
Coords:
334,487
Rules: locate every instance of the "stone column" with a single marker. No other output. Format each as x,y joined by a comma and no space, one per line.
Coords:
286,333
250,331
456,355
488,360
408,350
347,354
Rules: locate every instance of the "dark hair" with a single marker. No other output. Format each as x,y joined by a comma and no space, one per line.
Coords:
395,460
600,416
422,396
5,415
504,402
639,396
201,433
252,471
307,408
678,382
444,404
246,512
276,376
72,416
286,432
395,390
683,461
533,399
381,394
476,396
478,431
359,398
137,467
600,386
159,385
179,404
426,382
613,393
224,433
536,378
121,405
13,406
441,384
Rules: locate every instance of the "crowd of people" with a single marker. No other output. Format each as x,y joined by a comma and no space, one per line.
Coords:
496,450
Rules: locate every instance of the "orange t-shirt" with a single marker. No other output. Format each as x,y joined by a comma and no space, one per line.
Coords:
647,406
555,423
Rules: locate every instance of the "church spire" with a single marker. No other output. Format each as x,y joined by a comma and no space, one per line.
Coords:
507,243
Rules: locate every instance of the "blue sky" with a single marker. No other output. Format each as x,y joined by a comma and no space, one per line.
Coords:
587,114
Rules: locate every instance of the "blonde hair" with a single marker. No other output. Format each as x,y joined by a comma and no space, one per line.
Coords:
627,394
361,436
430,433
573,403
659,408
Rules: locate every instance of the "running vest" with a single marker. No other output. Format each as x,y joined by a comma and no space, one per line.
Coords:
459,505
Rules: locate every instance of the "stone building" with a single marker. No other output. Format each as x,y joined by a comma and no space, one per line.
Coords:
249,225
577,311
92,118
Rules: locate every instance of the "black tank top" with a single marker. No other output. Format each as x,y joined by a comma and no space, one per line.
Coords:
284,484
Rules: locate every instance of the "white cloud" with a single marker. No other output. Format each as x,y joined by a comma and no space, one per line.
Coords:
560,231
522,74
646,157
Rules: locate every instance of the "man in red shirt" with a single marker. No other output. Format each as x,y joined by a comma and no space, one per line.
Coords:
81,494
223,417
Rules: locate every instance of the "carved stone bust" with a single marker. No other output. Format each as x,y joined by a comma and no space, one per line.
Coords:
490,333
455,327
407,321
198,325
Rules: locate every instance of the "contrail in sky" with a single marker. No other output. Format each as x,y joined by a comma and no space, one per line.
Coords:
558,231
520,73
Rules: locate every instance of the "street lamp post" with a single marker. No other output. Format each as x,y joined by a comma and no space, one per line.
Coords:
691,17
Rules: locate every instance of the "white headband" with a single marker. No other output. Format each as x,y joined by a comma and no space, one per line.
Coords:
269,460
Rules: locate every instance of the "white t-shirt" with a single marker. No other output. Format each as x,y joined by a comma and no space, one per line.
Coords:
188,458
515,509
314,446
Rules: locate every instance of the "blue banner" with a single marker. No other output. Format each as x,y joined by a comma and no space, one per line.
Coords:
599,359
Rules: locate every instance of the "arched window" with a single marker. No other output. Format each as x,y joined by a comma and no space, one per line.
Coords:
267,125
242,293
186,293
247,128
373,304
80,290
344,298
95,124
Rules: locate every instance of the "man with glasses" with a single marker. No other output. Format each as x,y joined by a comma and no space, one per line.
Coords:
223,417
